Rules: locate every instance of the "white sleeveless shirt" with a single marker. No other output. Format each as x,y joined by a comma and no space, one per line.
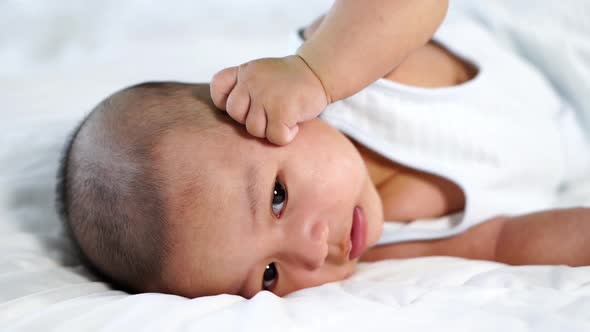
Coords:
505,137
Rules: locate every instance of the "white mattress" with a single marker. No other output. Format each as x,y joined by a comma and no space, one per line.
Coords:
60,58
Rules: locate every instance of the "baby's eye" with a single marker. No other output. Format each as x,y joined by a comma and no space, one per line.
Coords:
270,276
279,198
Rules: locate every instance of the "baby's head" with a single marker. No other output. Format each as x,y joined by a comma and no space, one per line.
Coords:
163,192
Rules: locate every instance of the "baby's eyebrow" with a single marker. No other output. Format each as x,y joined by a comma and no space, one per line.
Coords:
252,190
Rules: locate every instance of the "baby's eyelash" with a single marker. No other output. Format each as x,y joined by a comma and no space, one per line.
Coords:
269,277
279,198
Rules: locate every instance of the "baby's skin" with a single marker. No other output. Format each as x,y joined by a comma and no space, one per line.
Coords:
292,208
252,216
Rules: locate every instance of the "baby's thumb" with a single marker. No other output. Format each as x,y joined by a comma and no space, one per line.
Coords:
222,85
281,134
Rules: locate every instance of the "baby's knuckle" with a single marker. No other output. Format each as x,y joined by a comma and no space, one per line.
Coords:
235,114
277,136
254,129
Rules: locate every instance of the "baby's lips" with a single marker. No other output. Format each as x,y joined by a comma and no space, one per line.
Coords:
358,233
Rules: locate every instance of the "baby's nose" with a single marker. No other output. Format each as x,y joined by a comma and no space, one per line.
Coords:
310,248
319,232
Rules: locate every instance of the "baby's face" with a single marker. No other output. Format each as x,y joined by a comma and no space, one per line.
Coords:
246,215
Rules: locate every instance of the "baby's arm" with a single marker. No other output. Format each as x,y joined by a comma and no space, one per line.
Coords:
359,42
547,237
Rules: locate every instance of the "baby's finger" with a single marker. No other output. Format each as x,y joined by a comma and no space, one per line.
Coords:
238,103
222,85
256,121
279,133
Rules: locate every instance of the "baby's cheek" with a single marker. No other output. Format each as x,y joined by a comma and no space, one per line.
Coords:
374,216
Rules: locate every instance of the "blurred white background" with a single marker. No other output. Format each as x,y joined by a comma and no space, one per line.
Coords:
83,50
40,36
95,47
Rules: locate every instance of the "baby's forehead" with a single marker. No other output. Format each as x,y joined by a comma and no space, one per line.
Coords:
199,168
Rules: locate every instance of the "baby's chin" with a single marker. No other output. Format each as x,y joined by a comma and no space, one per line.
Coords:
375,217
376,234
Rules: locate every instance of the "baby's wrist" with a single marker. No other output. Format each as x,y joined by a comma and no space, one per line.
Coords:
317,76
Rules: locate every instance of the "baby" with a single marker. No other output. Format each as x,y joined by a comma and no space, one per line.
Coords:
163,192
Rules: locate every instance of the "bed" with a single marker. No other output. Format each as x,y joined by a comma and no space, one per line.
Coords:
60,58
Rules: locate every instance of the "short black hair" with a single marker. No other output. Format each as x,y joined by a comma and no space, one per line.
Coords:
109,188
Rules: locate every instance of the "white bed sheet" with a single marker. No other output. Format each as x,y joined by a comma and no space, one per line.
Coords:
58,59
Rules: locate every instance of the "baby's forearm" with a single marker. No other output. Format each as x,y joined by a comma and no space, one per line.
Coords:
552,237
547,237
360,41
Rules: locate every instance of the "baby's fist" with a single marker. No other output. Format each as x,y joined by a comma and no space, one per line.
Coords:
270,96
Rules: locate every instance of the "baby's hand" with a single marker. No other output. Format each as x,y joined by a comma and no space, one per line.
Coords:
270,96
